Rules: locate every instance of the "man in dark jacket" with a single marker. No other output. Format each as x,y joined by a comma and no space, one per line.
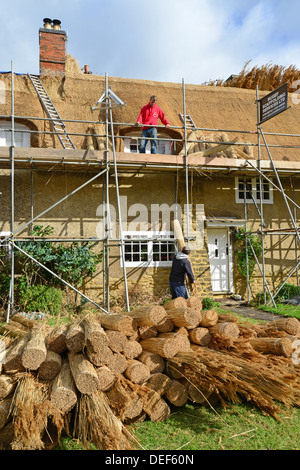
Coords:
181,268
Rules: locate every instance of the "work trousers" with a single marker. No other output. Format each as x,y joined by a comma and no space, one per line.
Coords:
150,133
177,289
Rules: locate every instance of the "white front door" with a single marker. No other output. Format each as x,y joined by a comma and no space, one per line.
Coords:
219,251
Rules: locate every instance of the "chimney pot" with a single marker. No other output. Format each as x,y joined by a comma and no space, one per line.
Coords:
56,24
47,23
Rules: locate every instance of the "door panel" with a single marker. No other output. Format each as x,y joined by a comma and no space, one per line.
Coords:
218,251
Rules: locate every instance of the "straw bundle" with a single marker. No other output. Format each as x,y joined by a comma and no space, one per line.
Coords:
83,372
122,323
124,378
31,410
225,330
124,401
63,392
96,423
209,318
35,350
289,325
148,316
75,337
7,385
56,341
277,346
187,317
179,302
200,335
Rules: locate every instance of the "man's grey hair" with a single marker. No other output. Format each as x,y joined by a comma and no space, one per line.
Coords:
153,97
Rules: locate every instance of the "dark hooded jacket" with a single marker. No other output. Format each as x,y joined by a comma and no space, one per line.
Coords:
181,267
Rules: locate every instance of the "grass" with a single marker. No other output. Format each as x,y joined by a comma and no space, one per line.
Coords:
282,309
194,427
238,427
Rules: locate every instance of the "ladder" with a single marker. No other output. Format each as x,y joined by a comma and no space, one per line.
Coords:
187,121
52,113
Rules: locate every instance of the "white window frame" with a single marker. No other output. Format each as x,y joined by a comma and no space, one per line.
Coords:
164,147
254,182
151,239
21,137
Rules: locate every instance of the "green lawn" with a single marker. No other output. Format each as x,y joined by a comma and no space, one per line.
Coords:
239,427
282,309
193,427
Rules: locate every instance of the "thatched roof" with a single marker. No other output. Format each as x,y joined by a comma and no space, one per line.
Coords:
211,107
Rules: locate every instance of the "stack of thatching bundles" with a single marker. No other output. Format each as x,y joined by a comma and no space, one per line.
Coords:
103,372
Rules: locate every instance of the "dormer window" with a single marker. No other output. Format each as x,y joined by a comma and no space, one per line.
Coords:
21,134
164,147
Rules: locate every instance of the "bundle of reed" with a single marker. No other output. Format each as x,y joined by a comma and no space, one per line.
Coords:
159,382
7,385
165,347
179,302
176,393
63,389
149,315
187,317
123,323
124,401
153,404
289,325
277,346
138,373
209,318
226,330
153,361
96,423
194,302
35,350
56,340
232,378
181,338
200,335
30,412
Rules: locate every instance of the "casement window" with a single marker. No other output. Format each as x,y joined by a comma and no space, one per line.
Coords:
164,147
249,187
146,249
21,135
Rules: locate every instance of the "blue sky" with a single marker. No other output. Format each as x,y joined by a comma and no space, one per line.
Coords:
161,40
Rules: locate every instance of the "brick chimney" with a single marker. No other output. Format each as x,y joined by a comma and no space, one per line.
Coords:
52,41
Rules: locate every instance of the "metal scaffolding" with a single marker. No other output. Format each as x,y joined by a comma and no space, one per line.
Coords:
107,101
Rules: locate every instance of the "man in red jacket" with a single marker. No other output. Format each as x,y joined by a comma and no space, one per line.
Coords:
149,115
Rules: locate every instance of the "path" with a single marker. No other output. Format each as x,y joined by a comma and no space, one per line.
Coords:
242,308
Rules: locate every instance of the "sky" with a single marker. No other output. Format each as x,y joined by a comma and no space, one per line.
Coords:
161,40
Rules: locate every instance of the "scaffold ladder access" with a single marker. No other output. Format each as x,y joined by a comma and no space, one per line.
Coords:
187,121
52,113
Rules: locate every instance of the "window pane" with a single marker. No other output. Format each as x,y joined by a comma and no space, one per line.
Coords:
242,183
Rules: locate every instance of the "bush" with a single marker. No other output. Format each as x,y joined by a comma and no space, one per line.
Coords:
208,304
40,298
288,291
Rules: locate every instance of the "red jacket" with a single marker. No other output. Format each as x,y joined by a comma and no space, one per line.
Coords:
150,115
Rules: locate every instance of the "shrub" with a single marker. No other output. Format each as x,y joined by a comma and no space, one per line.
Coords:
40,298
208,303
